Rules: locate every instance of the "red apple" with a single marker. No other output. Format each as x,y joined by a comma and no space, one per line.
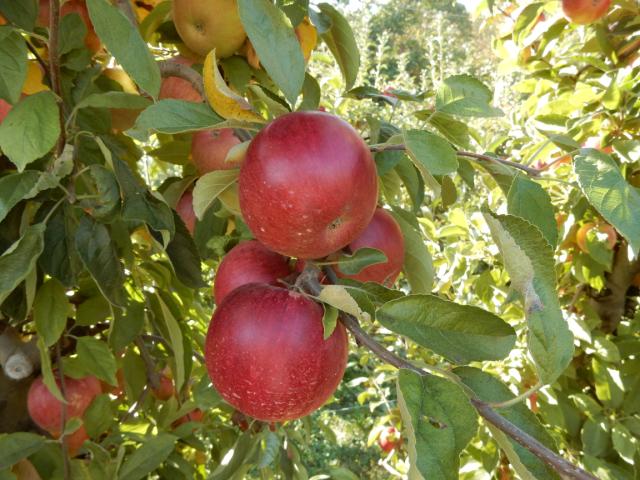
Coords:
308,185
384,234
585,11
266,355
5,108
581,235
209,149
165,390
195,415
389,439
178,88
185,210
248,262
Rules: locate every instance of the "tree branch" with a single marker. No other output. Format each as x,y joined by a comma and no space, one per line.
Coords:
152,375
174,69
63,419
534,172
54,67
552,459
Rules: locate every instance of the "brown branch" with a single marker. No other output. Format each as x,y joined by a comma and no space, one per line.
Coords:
174,69
534,172
63,420
152,375
54,67
39,59
552,459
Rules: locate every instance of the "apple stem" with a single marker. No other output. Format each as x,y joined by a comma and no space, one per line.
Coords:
553,460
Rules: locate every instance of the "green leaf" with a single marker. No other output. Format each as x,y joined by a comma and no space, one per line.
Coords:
337,296
13,64
310,94
439,421
148,457
275,42
418,265
72,32
271,448
15,187
209,187
369,294
466,96
491,390
98,417
528,200
93,310
607,190
127,324
108,193
596,436
329,320
624,442
20,258
96,359
114,100
183,253
175,338
528,259
341,41
50,310
125,44
30,129
47,373
453,130
461,333
352,264
606,377
16,446
431,154
98,253
59,258
174,116
240,453
23,13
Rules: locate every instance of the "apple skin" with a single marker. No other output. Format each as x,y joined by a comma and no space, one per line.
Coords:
384,234
248,262
308,185
389,439
266,355
583,12
207,24
581,235
165,390
178,88
5,108
209,148
184,208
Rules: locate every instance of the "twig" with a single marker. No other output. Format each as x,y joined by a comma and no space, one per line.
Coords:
169,68
54,67
141,398
152,375
553,460
63,419
39,59
126,7
520,398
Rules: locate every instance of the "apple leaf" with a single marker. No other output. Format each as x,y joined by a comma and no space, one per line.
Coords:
341,41
126,324
528,200
465,96
30,129
59,258
20,258
148,457
439,422
337,296
460,333
16,446
430,153
418,265
175,337
275,42
329,320
23,13
125,44
13,64
114,100
98,417
95,358
183,253
491,390
174,116
607,190
50,310
528,258
209,187
47,373
352,264
14,187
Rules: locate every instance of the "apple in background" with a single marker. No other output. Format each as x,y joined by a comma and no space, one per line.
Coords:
389,439
581,235
185,210
178,88
384,234
248,262
266,355
165,390
209,148
91,40
207,24
308,185
594,142
195,415
583,12
5,108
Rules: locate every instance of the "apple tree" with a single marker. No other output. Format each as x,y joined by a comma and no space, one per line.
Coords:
205,243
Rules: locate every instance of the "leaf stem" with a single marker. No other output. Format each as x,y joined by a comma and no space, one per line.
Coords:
520,398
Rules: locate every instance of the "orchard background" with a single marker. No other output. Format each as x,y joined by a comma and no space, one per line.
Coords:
507,149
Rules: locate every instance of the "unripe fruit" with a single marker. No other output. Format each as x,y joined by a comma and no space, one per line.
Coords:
248,262
207,24
583,12
266,355
581,235
308,185
179,88
384,234
184,208
209,148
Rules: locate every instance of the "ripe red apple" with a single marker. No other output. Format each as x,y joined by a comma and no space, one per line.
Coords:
165,390
585,11
266,355
248,262
5,108
178,88
308,185
185,210
384,234
389,439
209,149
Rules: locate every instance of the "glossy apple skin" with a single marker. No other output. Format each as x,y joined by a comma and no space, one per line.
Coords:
384,234
178,88
308,185
5,108
209,149
207,24
185,210
583,12
266,355
248,262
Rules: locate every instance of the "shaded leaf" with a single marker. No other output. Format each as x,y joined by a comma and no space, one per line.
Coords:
13,63
50,310
148,457
174,116
528,200
16,446
209,187
329,320
352,264
96,359
20,258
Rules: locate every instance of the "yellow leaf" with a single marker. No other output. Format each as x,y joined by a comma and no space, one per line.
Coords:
223,100
337,296
307,36
33,83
